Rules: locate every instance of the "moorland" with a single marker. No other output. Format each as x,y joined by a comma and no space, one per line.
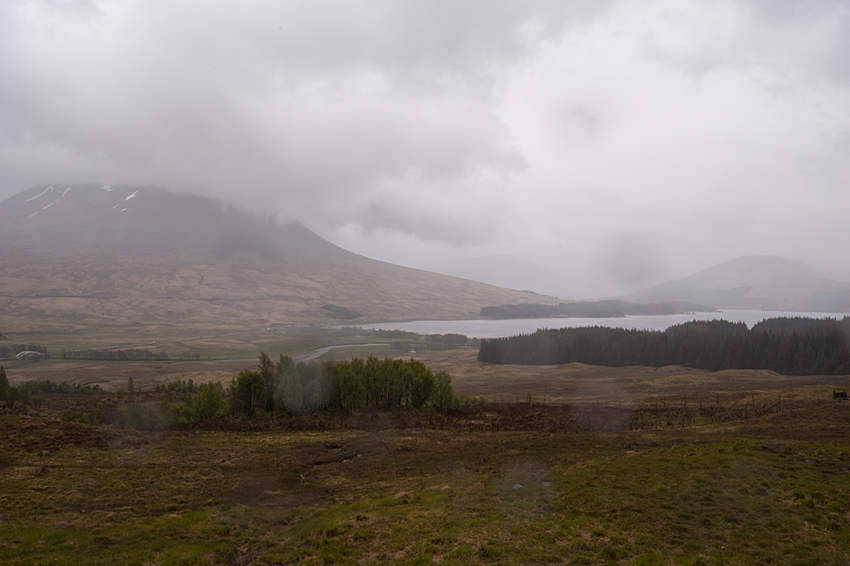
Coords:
557,464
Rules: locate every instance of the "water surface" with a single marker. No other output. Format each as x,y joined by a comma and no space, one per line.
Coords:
511,327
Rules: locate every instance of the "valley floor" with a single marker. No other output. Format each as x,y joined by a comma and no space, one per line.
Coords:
380,487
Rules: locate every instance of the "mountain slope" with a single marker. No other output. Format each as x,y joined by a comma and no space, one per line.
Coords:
90,252
754,282
513,273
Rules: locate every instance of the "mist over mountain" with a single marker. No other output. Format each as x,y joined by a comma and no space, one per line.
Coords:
755,282
513,273
91,251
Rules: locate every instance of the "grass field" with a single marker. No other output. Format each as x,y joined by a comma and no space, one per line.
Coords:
427,488
570,464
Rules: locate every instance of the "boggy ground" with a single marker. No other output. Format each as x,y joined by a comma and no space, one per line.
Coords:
381,487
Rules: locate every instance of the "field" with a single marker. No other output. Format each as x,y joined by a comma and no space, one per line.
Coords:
559,465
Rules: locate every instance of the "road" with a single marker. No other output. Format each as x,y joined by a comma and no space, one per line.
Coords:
312,355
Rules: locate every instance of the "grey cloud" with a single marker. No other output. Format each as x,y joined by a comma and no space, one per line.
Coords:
787,38
632,261
686,127
579,125
302,96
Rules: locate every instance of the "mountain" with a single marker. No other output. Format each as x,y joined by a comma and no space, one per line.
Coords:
89,252
755,282
513,273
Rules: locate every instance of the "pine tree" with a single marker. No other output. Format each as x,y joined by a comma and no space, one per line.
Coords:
248,392
4,385
267,371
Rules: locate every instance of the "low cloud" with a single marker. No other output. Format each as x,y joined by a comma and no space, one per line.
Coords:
656,137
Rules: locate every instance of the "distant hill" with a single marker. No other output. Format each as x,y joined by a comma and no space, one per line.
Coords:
754,282
595,309
88,252
513,273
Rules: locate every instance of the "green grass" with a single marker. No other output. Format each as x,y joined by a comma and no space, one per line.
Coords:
773,490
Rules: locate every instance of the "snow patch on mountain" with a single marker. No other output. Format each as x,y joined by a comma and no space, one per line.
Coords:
47,190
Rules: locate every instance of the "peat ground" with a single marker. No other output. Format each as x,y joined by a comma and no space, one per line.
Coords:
498,483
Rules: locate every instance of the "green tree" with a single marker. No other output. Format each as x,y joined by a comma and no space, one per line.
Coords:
421,384
443,392
248,392
391,379
288,392
267,370
347,391
294,394
370,378
291,395
209,404
131,388
4,385
315,384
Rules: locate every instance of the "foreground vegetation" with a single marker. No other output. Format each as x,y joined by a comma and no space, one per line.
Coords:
392,487
568,464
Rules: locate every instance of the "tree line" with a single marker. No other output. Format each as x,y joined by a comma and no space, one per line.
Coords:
790,346
346,385
18,398
118,355
449,338
295,389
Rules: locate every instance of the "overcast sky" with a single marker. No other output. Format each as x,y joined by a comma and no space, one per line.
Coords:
621,143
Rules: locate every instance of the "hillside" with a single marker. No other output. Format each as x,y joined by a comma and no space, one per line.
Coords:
87,253
514,273
754,282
